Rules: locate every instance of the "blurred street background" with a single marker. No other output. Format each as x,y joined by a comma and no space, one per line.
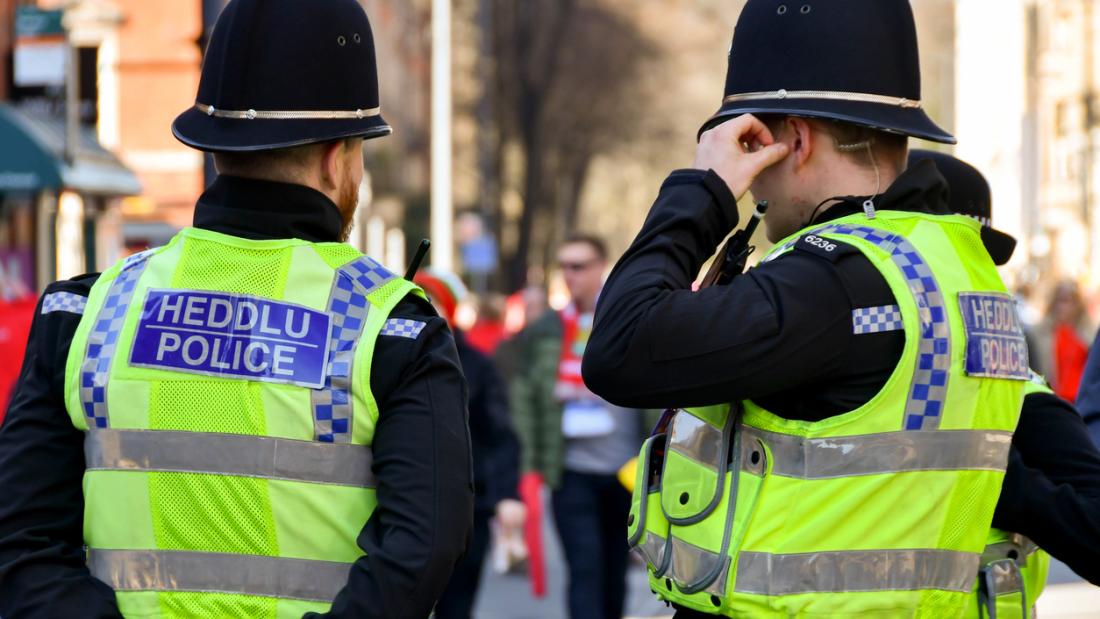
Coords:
517,123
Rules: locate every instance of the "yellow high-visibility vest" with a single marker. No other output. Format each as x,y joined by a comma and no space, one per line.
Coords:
224,388
883,511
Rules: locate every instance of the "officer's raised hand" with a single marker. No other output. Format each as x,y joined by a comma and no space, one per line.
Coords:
738,151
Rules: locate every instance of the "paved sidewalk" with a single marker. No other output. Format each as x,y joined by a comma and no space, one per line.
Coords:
1067,596
509,597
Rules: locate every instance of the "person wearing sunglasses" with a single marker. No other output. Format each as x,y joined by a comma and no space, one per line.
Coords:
574,441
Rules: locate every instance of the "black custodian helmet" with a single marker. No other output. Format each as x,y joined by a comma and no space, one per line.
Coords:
282,73
854,61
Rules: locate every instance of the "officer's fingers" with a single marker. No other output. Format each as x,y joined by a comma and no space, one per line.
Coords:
743,173
754,132
737,130
766,157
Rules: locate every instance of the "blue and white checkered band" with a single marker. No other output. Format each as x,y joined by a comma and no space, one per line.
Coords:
867,320
103,340
924,407
403,327
64,302
348,307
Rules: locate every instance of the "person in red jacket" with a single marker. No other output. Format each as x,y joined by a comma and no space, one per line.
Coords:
15,325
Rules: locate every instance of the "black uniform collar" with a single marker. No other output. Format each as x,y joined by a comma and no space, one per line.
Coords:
263,210
920,189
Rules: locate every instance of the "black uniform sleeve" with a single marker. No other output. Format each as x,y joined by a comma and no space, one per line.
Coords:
42,562
782,325
1051,491
425,484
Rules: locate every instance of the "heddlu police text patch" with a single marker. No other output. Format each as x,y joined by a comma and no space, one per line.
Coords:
232,336
995,343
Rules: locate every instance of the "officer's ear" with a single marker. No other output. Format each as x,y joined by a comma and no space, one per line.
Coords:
801,139
332,164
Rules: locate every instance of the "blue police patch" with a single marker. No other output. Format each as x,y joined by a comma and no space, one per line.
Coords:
232,336
995,343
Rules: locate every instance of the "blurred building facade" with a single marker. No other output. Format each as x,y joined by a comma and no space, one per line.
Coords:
61,188
138,63
1023,76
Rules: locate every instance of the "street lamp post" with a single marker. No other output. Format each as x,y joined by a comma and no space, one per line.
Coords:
442,209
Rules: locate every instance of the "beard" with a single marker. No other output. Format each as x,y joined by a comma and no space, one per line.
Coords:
347,203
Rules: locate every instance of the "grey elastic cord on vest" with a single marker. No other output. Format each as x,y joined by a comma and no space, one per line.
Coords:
229,454
213,572
643,504
1000,578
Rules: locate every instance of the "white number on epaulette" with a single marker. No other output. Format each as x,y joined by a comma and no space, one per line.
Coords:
817,241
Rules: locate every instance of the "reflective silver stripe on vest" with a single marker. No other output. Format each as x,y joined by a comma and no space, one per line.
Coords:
652,549
697,439
229,454
211,572
890,452
103,339
861,570
332,404
689,560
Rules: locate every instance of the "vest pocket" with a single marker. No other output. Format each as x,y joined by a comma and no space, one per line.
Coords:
694,470
647,528
703,550
1001,592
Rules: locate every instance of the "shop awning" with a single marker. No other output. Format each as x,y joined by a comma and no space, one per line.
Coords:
32,158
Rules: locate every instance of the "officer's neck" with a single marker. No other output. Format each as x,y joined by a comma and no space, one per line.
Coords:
848,180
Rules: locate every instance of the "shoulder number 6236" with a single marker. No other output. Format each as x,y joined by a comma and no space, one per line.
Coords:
820,242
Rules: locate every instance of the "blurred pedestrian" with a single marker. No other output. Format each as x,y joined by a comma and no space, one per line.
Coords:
495,450
575,441
255,420
521,309
488,331
1088,396
1062,340
17,305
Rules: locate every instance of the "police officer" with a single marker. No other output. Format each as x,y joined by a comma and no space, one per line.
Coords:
264,421
874,363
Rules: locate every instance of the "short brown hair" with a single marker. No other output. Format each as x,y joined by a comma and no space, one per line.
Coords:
591,240
267,163
854,140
